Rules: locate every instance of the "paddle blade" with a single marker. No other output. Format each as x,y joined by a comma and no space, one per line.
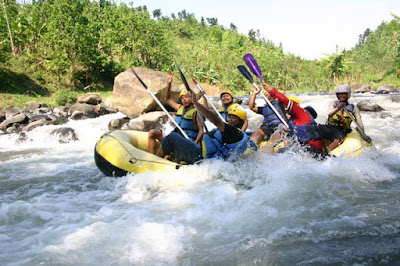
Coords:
182,77
253,66
245,73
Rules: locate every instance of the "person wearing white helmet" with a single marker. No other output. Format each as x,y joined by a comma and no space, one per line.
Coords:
227,140
339,117
186,117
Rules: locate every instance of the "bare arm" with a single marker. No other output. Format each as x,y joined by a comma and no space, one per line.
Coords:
253,101
208,113
200,126
245,125
168,99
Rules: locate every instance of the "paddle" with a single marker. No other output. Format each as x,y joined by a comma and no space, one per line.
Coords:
249,77
208,99
160,104
360,129
190,90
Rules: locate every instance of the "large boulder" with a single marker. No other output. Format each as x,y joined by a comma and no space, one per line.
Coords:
152,120
131,98
369,106
86,109
384,89
361,88
90,98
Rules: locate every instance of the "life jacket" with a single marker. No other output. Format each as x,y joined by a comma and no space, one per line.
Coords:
305,132
225,110
186,120
341,118
270,118
213,146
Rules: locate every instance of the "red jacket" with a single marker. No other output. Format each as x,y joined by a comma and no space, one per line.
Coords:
299,115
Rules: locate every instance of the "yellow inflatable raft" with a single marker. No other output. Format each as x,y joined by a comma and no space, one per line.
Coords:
352,146
121,151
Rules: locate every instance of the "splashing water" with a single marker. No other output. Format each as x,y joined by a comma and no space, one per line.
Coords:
57,208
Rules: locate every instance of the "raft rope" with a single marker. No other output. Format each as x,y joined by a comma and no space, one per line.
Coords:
177,166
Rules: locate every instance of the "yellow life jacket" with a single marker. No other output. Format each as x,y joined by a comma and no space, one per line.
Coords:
186,119
341,118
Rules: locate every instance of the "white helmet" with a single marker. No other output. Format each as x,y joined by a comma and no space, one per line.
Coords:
343,89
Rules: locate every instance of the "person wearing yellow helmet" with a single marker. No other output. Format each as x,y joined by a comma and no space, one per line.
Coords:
227,100
340,115
302,126
186,117
271,120
226,140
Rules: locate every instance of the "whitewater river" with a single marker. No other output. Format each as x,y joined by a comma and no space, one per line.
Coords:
57,208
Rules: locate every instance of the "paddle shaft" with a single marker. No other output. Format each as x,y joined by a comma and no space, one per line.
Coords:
360,129
270,105
209,101
161,105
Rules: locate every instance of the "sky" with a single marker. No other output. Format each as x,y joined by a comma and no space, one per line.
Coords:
310,29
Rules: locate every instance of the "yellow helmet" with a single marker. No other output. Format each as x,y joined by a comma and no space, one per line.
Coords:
183,92
226,92
238,112
294,99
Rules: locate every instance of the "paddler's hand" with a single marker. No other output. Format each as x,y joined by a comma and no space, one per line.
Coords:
170,77
341,105
367,138
267,87
256,91
194,97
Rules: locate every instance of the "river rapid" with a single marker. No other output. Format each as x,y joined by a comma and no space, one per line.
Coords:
57,208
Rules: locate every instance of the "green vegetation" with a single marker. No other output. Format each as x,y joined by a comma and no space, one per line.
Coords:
57,49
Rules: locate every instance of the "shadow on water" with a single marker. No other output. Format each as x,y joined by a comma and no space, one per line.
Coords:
17,83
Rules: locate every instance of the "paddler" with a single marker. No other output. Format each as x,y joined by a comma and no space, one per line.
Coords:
186,117
228,139
271,121
228,104
339,118
302,126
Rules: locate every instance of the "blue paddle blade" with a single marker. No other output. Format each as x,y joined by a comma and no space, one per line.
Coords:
245,73
253,66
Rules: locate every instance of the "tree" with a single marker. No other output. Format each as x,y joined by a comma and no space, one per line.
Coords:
233,27
157,13
8,27
212,21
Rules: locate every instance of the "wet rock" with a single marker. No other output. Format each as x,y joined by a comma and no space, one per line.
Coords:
32,105
19,118
90,98
361,88
384,89
369,106
78,115
117,123
395,98
86,109
22,137
136,124
35,124
2,115
61,111
12,111
64,134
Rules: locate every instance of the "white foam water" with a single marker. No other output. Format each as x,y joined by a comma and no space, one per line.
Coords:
57,208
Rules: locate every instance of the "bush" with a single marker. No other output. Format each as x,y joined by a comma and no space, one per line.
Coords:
63,96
